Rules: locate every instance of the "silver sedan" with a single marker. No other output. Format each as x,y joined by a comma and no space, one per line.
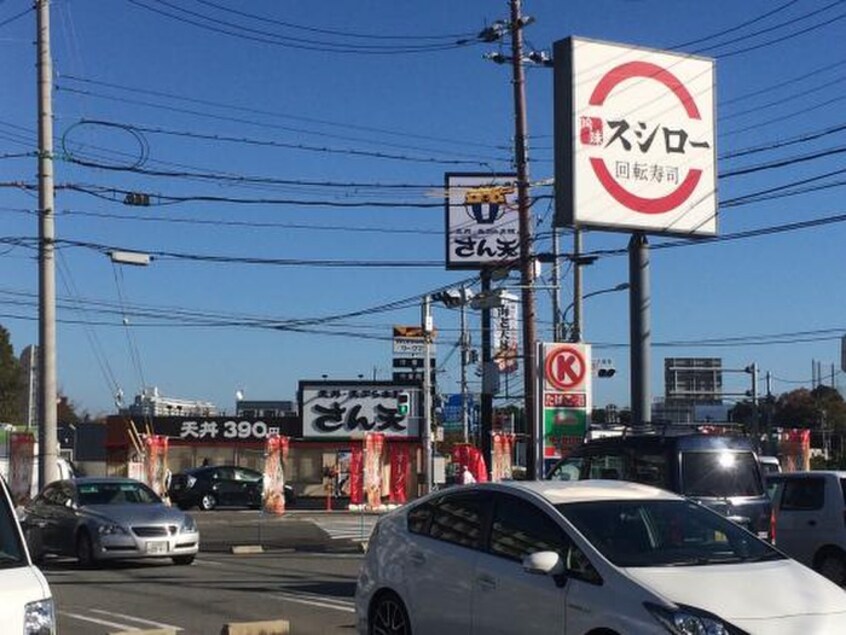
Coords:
106,519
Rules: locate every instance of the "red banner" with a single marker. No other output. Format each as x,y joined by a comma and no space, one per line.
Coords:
467,456
273,493
155,464
356,479
374,443
21,462
399,474
503,446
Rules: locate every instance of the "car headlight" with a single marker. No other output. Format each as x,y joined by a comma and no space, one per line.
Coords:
111,529
39,618
188,524
687,620
189,482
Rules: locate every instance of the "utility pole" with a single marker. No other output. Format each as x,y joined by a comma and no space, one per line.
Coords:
465,348
428,328
557,335
534,462
48,470
577,285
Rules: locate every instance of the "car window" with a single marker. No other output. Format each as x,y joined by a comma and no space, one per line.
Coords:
650,469
805,494
720,474
649,533
11,548
518,529
242,474
567,470
458,519
418,518
115,493
51,495
608,466
224,474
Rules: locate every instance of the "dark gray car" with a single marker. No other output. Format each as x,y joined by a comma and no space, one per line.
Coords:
98,519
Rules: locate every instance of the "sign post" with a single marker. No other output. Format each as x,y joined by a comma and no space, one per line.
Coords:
565,398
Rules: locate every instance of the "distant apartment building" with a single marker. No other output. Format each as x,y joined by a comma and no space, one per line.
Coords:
690,383
151,403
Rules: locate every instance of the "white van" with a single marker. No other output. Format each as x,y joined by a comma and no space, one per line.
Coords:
26,604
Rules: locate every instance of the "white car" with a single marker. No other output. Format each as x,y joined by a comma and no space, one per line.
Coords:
26,604
810,519
581,557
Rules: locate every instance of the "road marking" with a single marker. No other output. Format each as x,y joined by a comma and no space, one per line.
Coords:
132,618
124,627
316,600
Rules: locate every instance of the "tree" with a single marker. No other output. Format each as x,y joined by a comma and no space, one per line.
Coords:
10,380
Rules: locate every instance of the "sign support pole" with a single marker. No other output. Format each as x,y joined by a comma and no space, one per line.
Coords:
639,328
427,394
486,402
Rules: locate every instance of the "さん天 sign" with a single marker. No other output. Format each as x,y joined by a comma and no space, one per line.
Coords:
634,139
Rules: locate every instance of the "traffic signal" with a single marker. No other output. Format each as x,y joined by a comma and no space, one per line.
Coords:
606,372
403,403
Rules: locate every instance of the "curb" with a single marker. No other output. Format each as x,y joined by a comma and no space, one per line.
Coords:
271,627
241,549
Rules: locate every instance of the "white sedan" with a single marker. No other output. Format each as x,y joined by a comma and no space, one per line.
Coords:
583,557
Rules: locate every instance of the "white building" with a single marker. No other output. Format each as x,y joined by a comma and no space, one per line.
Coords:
150,403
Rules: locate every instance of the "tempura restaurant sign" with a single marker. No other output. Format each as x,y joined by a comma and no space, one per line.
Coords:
335,411
634,139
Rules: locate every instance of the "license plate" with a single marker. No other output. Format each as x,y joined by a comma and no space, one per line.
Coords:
157,546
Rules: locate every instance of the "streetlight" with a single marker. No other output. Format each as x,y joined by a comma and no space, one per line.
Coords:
576,330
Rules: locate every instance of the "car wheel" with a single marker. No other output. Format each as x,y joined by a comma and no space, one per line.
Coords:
832,565
183,560
84,550
388,616
208,502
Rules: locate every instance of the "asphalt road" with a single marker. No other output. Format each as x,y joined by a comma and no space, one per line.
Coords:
305,574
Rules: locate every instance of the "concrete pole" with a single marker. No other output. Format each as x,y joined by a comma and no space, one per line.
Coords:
640,328
557,335
465,345
48,469
486,404
427,394
533,462
577,286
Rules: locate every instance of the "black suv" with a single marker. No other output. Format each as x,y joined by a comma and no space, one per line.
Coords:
719,471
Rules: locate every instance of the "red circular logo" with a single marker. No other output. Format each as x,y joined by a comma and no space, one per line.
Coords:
623,196
565,367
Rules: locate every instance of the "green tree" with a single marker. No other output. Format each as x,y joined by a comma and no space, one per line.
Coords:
10,380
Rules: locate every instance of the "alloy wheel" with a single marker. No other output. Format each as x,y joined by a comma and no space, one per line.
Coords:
389,617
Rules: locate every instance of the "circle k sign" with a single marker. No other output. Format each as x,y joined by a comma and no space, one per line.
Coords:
566,366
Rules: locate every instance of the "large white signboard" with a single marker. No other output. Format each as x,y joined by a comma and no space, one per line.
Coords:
348,410
634,139
482,224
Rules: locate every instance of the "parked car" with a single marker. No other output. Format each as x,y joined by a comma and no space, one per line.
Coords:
770,464
26,603
599,556
810,519
212,486
98,519
720,471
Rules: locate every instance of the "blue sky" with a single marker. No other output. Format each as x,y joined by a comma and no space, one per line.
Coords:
326,104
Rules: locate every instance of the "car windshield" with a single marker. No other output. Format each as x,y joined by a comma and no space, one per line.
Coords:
115,494
662,533
11,549
720,474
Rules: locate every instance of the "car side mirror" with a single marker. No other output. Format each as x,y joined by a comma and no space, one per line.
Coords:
70,504
546,563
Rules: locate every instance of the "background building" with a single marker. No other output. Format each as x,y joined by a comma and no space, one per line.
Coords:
152,404
689,384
